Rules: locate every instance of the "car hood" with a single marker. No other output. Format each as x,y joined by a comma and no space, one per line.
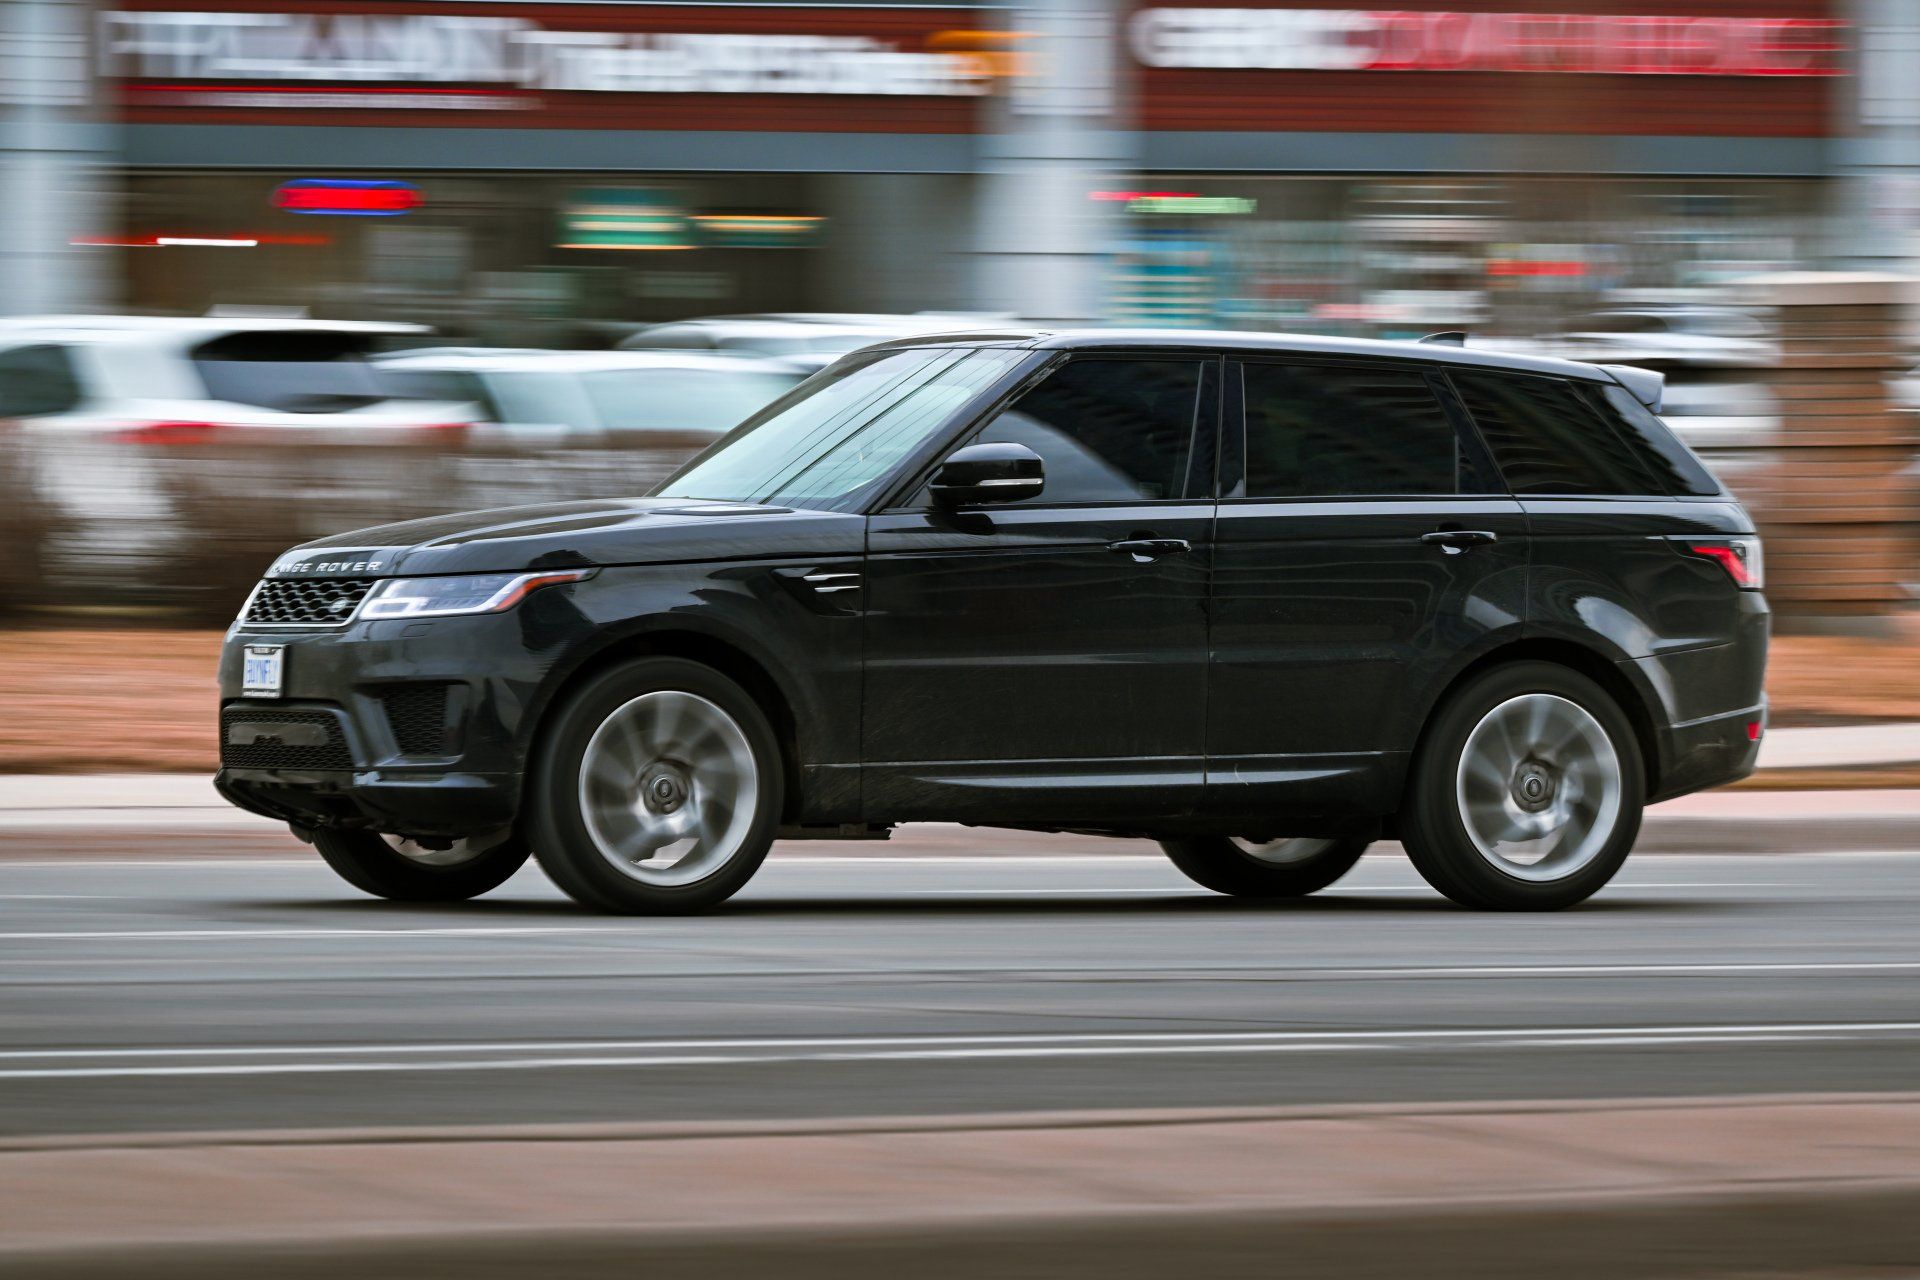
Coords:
565,535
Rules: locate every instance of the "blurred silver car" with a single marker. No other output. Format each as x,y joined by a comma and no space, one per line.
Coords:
1697,334
584,424
806,340
581,395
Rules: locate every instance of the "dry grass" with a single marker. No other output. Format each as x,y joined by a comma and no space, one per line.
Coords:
108,701
103,701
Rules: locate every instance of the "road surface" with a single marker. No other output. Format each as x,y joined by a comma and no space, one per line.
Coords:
178,993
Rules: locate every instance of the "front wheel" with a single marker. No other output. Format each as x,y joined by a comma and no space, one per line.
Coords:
407,870
657,790
1526,792
1286,868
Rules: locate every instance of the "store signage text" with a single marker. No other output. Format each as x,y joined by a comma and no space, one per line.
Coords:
512,53
1401,40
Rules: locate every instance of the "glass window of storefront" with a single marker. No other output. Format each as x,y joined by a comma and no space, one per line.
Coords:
1397,257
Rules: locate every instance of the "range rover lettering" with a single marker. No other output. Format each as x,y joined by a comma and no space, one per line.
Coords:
1265,600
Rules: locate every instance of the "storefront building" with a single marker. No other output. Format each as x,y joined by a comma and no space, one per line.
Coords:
511,170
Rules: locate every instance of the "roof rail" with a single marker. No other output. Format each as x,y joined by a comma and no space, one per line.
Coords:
1447,338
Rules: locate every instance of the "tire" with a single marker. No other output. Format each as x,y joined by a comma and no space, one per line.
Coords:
657,790
1264,869
1526,791
393,867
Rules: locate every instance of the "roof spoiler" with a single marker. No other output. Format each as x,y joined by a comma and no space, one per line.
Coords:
1447,338
1646,385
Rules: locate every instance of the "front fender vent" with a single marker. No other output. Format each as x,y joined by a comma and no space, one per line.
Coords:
833,590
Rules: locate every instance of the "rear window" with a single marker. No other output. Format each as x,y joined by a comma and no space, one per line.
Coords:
37,381
291,371
1659,450
1550,439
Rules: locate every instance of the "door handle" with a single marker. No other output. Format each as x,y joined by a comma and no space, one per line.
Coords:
1147,550
1454,541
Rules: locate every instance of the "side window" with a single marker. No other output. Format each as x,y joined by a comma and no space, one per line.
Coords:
1336,431
36,381
1548,439
1659,450
1109,430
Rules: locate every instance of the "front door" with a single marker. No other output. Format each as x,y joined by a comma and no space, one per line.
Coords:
1364,543
1045,660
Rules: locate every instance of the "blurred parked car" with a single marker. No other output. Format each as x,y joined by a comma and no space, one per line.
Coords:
579,395
585,424
1725,414
1704,335
806,340
149,444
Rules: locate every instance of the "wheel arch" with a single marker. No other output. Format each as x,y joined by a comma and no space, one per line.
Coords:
1634,702
733,657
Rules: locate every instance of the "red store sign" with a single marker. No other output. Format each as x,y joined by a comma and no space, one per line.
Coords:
555,66
1655,69
1402,40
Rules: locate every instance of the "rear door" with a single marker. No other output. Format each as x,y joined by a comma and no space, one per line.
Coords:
1363,543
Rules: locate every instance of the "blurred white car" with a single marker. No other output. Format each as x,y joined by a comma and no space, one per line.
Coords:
1705,335
806,340
155,379
581,395
139,435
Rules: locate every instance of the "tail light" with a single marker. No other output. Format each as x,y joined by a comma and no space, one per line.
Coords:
168,433
1740,557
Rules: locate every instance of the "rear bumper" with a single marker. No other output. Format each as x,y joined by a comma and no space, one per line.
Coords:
1710,753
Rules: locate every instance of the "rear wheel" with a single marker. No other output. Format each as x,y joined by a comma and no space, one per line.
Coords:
1527,791
658,789
406,870
1285,868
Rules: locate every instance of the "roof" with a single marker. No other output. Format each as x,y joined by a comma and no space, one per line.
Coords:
1228,340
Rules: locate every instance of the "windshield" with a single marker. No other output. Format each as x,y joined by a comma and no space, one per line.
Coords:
825,444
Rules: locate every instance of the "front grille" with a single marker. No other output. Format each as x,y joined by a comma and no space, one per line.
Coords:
272,739
308,601
417,714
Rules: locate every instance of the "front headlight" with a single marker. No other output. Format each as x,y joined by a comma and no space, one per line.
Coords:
465,593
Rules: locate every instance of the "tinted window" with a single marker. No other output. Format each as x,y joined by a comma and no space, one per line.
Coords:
1548,439
1334,431
826,443
1108,430
1659,450
291,371
36,381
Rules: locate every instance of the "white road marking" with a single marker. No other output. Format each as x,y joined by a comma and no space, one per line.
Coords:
510,1056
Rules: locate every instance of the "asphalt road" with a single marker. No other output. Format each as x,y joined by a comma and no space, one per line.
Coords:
241,993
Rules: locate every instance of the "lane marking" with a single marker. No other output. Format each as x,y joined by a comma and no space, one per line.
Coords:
747,1052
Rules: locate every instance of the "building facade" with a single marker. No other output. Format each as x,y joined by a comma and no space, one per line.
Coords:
493,165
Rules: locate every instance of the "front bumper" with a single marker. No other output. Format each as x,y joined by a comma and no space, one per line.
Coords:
415,727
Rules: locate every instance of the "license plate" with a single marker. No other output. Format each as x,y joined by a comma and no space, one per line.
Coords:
261,670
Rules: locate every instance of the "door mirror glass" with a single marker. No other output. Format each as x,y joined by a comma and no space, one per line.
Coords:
988,473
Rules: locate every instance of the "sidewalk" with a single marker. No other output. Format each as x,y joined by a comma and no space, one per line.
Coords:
1586,1189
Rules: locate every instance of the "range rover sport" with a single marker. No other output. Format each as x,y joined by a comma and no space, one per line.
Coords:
1262,599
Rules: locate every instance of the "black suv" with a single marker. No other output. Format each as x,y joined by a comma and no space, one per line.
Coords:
1262,599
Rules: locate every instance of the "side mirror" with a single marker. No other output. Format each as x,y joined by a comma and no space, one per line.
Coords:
988,473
